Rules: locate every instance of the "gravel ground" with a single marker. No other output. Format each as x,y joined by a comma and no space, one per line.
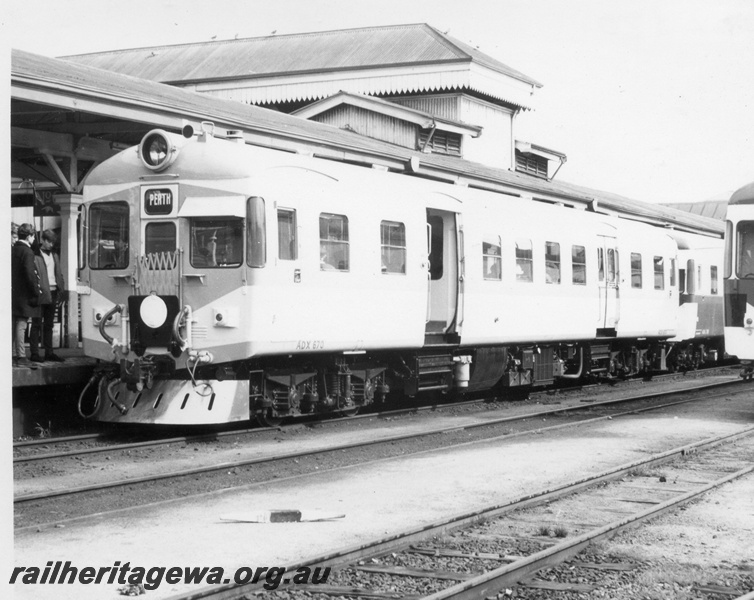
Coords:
378,499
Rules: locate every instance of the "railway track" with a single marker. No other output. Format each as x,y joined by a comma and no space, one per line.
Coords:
32,508
481,554
64,442
112,441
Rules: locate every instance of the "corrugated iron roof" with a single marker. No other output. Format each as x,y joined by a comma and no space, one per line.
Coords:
712,209
123,93
297,53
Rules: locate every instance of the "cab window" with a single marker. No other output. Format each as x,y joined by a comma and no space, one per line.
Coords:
160,244
108,235
216,243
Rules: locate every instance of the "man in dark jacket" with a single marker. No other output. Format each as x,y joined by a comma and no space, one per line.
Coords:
53,294
26,291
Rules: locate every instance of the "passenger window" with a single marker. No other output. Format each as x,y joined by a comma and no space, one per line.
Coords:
612,265
491,259
659,273
287,242
393,240
635,270
257,236
216,242
672,272
713,280
524,260
334,254
552,262
601,264
578,264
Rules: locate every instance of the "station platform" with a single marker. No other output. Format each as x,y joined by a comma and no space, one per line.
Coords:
76,369
44,399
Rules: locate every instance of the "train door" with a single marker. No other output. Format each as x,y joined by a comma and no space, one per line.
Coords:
442,275
608,278
157,268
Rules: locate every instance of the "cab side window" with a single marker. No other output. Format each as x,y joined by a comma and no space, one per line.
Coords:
287,242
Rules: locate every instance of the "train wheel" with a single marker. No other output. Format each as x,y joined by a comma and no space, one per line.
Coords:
350,412
268,418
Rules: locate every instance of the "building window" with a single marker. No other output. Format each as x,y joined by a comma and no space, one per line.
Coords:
524,270
334,254
393,239
578,263
713,280
635,270
287,242
552,262
440,142
659,273
531,164
491,259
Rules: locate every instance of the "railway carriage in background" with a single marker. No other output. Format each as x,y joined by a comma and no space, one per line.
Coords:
739,278
223,282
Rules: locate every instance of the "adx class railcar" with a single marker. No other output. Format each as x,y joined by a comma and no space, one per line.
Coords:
739,278
223,281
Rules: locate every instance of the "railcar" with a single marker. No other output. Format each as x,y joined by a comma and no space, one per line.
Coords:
222,282
739,278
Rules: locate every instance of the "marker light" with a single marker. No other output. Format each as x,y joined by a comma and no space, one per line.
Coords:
153,311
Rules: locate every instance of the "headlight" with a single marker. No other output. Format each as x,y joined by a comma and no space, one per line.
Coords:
157,151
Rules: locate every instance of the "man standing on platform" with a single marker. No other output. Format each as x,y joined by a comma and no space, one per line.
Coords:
26,291
51,276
